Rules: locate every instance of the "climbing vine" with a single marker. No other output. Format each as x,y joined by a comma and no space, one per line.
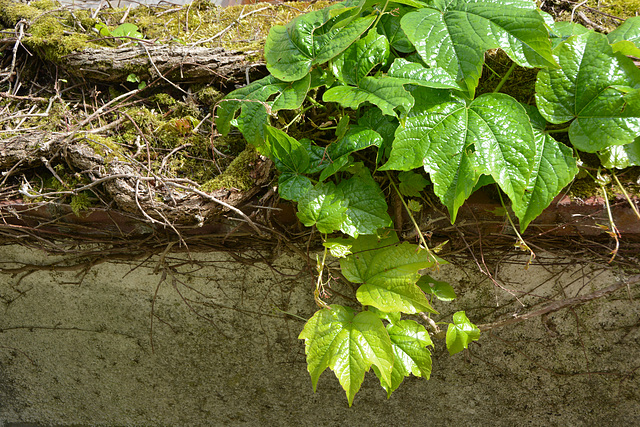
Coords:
399,80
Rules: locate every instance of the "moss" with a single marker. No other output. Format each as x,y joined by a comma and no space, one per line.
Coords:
11,12
622,8
105,147
163,99
238,173
209,96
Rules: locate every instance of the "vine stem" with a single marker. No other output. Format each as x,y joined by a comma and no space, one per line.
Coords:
316,293
626,195
521,243
413,220
505,78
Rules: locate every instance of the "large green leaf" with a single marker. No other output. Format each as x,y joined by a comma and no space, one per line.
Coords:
386,93
357,61
461,333
389,26
626,38
621,156
388,276
587,90
367,207
322,206
291,50
456,142
409,341
554,168
454,35
287,153
348,344
413,73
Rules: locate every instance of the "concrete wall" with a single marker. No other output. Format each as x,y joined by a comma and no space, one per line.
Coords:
75,348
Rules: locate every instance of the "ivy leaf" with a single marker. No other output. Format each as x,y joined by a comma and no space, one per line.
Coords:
414,73
626,38
460,333
456,142
621,156
409,341
388,276
561,31
367,207
411,184
322,206
585,90
554,168
386,93
348,344
360,58
309,39
441,290
455,34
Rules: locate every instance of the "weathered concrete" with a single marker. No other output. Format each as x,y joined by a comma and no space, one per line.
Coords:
75,348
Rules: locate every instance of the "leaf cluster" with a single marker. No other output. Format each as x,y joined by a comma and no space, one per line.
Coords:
401,78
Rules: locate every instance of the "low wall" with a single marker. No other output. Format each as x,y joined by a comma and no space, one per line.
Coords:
80,347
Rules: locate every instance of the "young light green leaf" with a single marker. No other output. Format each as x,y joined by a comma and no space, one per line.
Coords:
127,30
554,168
409,341
386,93
388,276
357,61
621,156
584,91
414,73
455,34
322,206
441,290
347,343
626,38
367,206
411,184
461,333
338,247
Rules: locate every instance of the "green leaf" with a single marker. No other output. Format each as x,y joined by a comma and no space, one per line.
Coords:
386,93
414,73
127,30
389,26
441,290
409,341
357,61
554,167
561,31
252,101
287,153
385,126
626,38
460,333
621,156
455,34
367,206
291,186
388,276
456,142
334,166
291,50
411,184
348,344
584,90
322,206
337,247
357,138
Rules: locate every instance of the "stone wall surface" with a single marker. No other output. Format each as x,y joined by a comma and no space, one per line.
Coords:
78,347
